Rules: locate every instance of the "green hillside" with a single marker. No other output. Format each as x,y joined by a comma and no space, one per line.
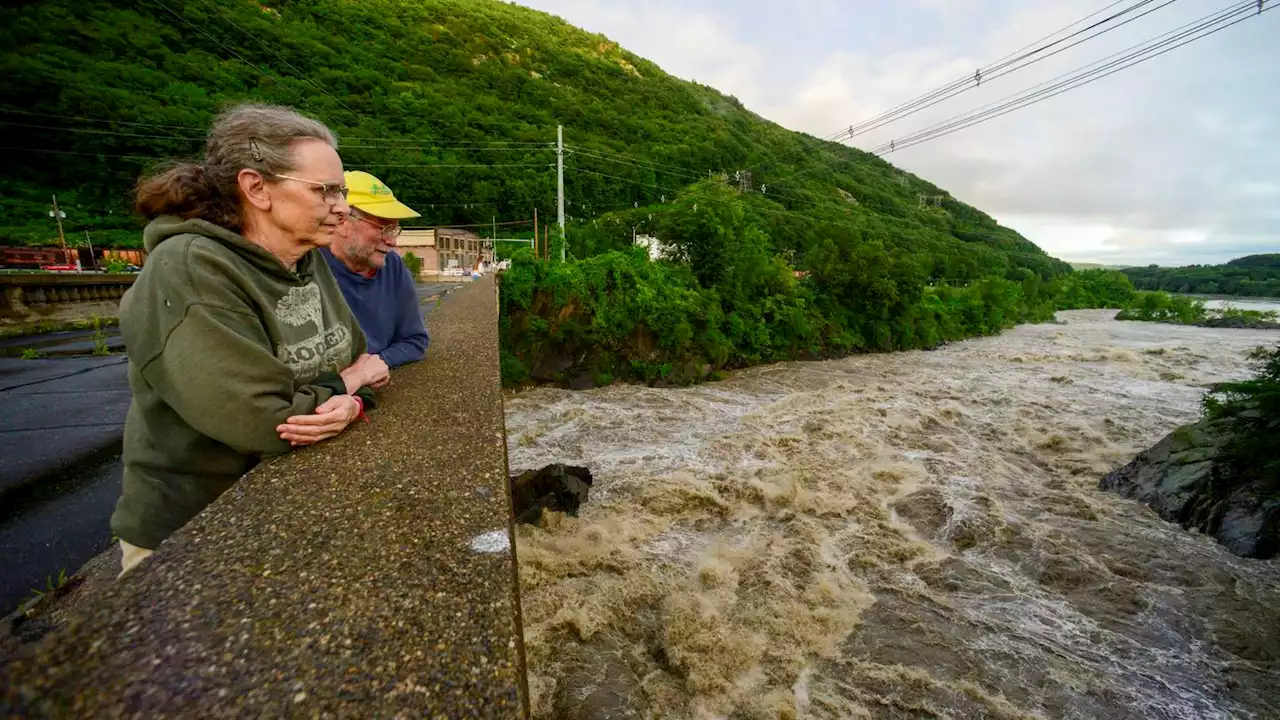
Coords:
826,250
96,90
1249,276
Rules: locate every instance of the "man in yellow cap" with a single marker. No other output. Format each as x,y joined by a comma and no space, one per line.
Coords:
373,278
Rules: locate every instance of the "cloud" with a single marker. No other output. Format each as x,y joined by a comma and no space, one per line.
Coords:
1171,161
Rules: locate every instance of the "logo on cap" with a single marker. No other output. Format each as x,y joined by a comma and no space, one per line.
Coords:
379,189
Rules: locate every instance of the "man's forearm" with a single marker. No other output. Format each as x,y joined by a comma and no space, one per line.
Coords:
403,352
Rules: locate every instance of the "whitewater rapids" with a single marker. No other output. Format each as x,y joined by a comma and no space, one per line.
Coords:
896,535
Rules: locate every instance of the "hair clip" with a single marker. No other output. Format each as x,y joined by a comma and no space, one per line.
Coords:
254,151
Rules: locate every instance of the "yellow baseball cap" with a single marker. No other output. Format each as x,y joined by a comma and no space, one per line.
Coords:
369,194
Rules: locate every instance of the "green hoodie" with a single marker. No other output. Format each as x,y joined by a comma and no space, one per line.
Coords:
224,344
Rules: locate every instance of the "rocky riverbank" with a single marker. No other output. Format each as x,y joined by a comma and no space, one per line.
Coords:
1176,478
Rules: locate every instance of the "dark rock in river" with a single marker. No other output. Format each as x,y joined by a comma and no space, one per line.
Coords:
1238,322
562,488
1176,478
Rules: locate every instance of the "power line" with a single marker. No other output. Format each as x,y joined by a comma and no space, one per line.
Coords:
465,204
96,131
287,64
133,89
449,165
698,197
441,148
957,86
962,84
73,152
1217,15
403,165
1061,30
395,143
630,160
97,120
1027,101
505,223
625,179
641,167
898,143
224,46
1081,79
917,106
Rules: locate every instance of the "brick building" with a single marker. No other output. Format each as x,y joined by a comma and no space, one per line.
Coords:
445,249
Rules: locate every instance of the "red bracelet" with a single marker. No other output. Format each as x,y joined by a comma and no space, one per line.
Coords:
360,404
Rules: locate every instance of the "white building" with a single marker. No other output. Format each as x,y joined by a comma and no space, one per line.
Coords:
655,247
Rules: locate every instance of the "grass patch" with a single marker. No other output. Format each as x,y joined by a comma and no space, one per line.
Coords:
44,327
51,584
99,338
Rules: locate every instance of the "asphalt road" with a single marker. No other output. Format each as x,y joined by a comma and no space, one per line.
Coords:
61,423
58,413
57,530
65,343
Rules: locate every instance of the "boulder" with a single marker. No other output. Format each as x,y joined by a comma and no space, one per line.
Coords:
1235,321
562,488
1176,478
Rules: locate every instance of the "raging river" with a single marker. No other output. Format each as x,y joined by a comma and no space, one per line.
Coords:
904,535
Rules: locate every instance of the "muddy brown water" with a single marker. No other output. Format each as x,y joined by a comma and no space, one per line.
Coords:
905,535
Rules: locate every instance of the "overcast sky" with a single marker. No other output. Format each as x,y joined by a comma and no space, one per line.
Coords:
1174,161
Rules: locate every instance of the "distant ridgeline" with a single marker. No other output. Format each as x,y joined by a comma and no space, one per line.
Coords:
1251,276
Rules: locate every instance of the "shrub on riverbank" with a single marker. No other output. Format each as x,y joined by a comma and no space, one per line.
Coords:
1253,409
1163,307
619,316
738,287
1093,289
1221,475
1180,310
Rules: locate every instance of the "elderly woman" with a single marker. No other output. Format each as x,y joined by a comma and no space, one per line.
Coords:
240,343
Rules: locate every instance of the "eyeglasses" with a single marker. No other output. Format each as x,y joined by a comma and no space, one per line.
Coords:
390,232
331,192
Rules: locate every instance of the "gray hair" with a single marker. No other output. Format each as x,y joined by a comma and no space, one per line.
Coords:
250,136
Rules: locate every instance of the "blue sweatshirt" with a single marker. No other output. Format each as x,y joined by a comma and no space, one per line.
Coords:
386,305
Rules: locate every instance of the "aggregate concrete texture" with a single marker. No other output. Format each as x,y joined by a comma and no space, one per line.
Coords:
359,577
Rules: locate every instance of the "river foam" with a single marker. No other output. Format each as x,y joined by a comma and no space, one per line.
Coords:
901,535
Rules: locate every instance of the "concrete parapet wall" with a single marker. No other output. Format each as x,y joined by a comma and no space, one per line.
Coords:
373,575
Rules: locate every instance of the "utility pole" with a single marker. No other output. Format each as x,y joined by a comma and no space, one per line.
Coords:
57,215
90,243
535,231
560,185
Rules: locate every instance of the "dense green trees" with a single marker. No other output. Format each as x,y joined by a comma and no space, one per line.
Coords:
1249,457
1156,306
1163,307
1093,288
1252,275
455,105
727,297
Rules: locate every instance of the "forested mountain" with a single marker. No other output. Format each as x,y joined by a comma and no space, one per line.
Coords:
453,103
1251,275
